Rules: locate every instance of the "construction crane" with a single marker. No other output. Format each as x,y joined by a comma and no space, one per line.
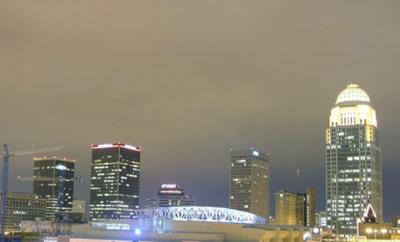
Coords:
39,178
4,191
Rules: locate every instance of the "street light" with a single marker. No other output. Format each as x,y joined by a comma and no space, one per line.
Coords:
138,232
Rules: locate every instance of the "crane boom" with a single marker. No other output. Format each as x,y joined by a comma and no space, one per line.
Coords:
37,151
29,178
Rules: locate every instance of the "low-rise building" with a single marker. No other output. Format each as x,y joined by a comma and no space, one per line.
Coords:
170,195
23,206
371,229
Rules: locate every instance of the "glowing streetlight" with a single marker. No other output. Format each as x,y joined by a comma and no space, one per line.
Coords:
138,232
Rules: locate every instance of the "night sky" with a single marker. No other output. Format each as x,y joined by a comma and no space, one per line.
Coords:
188,80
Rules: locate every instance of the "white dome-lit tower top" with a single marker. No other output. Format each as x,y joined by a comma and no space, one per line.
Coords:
352,108
352,95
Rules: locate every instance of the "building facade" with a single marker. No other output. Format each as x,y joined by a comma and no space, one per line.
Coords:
310,207
53,179
353,161
78,214
114,187
23,206
286,208
170,195
295,208
249,182
322,219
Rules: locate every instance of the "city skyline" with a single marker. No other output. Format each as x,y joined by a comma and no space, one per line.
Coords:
189,91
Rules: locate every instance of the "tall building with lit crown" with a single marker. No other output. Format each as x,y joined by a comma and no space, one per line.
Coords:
353,161
53,179
114,187
249,182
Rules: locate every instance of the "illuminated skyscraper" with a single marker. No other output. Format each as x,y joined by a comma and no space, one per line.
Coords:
353,161
114,188
53,179
249,182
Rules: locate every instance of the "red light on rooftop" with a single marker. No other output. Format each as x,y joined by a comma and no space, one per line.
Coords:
117,145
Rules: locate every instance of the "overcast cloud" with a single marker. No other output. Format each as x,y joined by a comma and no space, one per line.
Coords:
188,80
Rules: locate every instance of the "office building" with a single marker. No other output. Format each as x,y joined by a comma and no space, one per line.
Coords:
310,207
53,179
114,188
286,211
23,206
170,195
295,208
249,182
353,161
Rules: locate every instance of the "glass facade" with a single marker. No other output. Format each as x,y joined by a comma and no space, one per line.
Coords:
114,188
249,182
353,162
53,179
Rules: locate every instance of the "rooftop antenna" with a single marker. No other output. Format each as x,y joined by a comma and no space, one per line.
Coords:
298,180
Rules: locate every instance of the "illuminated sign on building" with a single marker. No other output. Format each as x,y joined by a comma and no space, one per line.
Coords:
168,186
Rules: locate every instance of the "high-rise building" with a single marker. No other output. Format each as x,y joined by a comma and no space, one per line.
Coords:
114,188
353,161
295,208
53,179
170,195
249,182
23,206
310,207
286,211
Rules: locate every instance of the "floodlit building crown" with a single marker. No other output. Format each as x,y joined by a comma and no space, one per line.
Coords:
352,93
352,108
